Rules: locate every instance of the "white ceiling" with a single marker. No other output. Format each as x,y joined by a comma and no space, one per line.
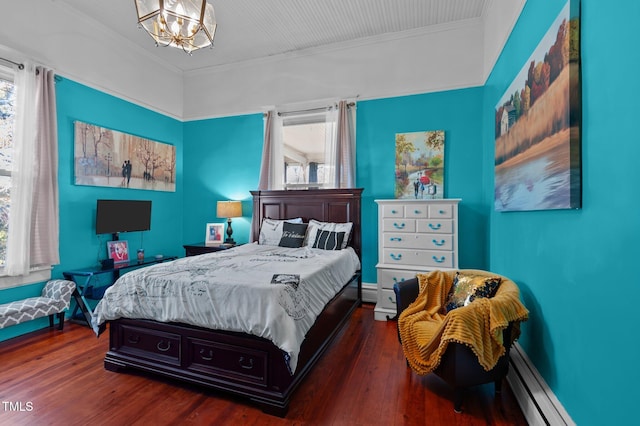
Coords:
250,29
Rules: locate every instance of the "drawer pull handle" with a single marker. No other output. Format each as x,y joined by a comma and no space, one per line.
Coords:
440,260
417,212
438,243
441,212
392,300
133,338
394,211
207,357
395,280
396,256
162,346
395,239
244,364
435,227
400,226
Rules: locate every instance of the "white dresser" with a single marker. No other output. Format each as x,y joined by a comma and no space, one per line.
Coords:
413,236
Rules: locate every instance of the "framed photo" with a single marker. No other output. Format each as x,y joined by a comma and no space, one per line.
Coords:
215,231
118,251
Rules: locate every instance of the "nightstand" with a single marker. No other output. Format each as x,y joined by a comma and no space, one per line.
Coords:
201,248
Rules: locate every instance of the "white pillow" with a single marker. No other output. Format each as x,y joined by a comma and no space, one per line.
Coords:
271,230
315,225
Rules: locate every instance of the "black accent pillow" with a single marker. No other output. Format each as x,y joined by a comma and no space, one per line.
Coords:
328,240
293,235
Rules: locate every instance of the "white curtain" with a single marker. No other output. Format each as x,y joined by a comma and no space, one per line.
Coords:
272,167
33,216
265,167
340,146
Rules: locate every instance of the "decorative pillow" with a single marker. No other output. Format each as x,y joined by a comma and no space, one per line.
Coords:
271,230
468,287
293,234
315,226
328,240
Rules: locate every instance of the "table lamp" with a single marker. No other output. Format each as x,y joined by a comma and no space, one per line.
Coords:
229,209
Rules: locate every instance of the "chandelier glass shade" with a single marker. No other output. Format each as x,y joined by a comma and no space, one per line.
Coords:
186,24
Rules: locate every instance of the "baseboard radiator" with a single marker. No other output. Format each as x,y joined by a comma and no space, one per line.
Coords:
538,403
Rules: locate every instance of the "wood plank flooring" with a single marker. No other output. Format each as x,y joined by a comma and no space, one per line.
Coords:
57,378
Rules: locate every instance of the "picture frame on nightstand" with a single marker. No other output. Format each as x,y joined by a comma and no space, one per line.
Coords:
214,235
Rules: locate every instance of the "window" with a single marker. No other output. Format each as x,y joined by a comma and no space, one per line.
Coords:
28,199
304,149
7,115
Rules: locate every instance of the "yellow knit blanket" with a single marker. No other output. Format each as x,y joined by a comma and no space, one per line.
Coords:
426,331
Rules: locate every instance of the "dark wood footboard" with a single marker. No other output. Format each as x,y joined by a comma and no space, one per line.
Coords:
244,365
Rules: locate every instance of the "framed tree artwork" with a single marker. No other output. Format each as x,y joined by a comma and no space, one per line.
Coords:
420,165
538,125
105,157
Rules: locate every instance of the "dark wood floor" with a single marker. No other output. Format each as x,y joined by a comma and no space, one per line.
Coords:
57,378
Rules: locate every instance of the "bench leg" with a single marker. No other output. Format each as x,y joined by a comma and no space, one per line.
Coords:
51,321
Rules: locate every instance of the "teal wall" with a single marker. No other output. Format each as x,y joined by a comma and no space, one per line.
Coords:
572,265
222,162
455,112
79,245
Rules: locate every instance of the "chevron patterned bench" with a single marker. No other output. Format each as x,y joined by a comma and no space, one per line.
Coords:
55,299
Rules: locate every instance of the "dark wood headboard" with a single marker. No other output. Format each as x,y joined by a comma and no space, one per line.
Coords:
325,205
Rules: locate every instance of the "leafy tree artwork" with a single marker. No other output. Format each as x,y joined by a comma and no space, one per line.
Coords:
420,165
537,125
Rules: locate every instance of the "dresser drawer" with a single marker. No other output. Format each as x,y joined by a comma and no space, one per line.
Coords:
444,226
399,225
441,259
388,277
417,211
228,360
154,345
393,211
440,211
386,299
418,241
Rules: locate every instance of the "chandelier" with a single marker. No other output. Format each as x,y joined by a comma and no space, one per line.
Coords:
186,24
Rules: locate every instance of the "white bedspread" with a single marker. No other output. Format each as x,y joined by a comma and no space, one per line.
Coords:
232,290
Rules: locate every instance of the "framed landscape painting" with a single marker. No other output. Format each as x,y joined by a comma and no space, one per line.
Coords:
420,165
105,157
538,125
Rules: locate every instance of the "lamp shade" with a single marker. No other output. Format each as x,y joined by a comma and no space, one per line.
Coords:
229,209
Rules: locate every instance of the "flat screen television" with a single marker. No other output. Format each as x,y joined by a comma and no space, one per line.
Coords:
115,216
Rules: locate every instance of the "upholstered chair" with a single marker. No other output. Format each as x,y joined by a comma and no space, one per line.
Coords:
465,345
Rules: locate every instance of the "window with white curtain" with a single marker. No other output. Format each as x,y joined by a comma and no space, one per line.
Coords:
312,148
7,119
28,189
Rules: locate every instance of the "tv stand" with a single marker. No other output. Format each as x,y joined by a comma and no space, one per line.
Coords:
83,277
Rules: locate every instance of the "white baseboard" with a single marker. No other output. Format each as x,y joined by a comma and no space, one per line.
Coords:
369,293
538,403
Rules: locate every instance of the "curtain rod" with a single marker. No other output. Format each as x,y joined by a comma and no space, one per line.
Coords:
19,65
312,110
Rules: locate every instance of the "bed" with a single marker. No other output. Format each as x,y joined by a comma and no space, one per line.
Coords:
239,363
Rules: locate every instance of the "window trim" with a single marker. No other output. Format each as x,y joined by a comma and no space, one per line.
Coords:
36,275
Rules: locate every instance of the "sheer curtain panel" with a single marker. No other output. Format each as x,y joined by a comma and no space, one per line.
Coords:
33,216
